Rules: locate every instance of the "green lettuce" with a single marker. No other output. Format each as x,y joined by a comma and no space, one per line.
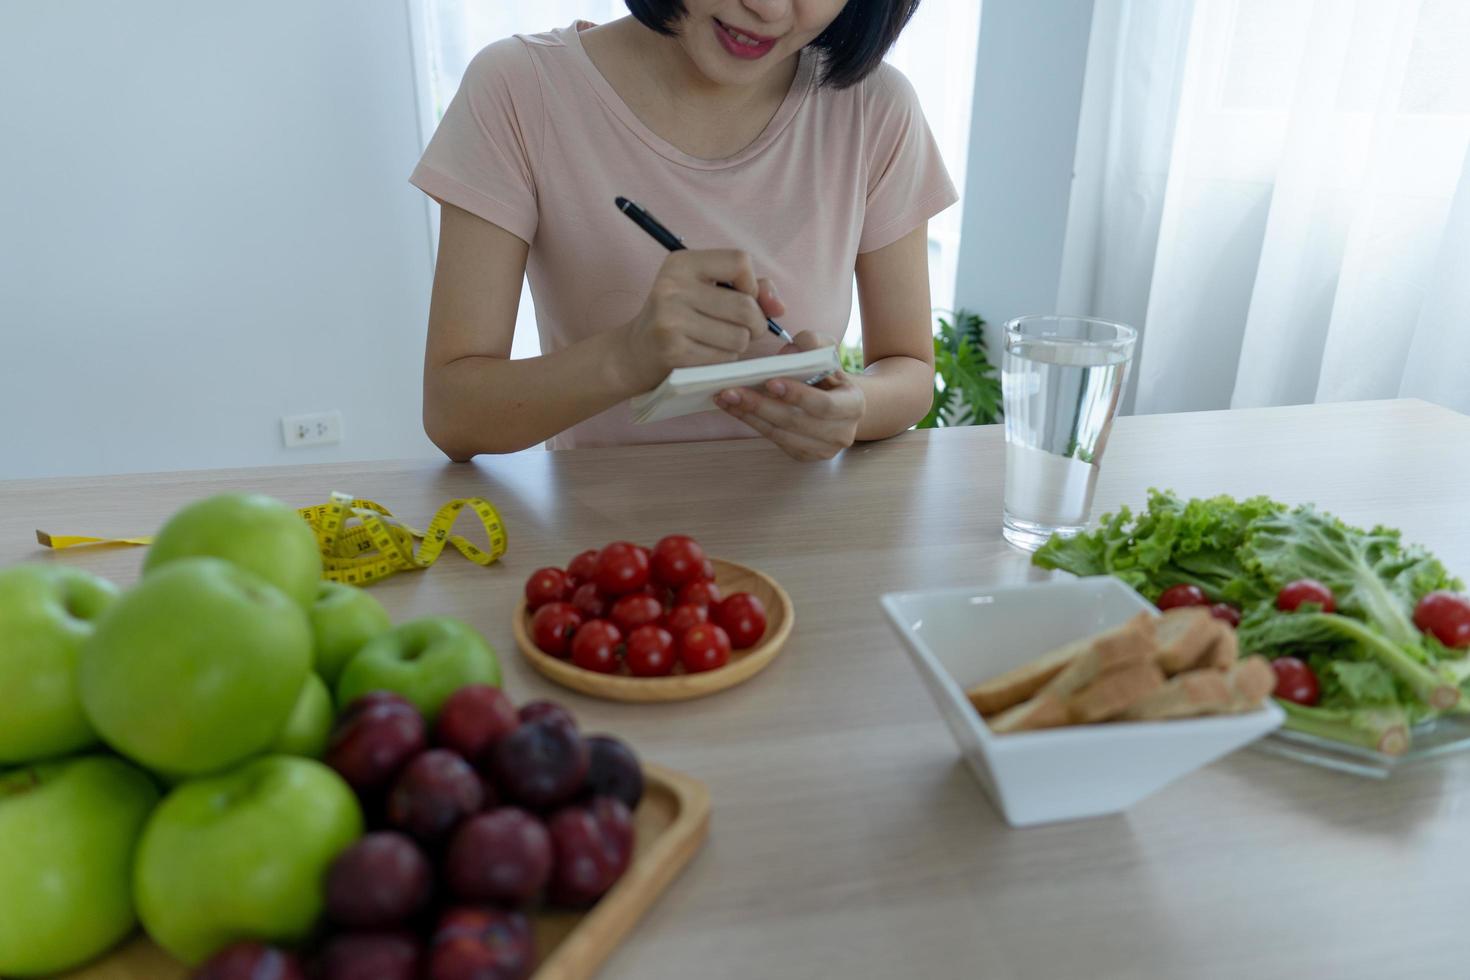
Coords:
1378,672
1172,542
1373,576
1354,683
1311,635
1375,581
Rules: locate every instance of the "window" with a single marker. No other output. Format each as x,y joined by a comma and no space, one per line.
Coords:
936,52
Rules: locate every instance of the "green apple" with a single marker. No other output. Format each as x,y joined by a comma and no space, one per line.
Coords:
310,723
242,855
424,660
343,618
256,532
67,834
46,613
195,668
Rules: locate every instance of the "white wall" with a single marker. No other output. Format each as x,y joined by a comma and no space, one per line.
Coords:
205,224
1023,140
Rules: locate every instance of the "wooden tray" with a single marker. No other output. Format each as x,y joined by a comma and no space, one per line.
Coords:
672,821
622,686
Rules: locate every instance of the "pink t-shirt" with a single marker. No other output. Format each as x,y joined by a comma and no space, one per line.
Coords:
537,142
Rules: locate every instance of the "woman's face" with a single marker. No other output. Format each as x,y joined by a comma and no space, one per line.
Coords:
737,42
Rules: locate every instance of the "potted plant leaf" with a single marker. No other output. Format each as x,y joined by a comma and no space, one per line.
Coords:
966,383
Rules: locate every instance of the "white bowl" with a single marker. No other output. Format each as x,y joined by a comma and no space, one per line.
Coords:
959,637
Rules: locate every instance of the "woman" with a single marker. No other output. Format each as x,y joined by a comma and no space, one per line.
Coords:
768,134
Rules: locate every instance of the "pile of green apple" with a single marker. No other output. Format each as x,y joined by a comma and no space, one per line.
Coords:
157,746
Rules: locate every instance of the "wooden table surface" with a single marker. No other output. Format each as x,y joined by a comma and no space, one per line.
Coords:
847,838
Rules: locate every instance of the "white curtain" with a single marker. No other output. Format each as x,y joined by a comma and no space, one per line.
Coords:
1278,193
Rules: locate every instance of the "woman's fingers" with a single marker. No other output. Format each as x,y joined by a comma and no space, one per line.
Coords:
730,306
797,445
770,303
718,333
698,353
807,340
830,411
718,265
839,400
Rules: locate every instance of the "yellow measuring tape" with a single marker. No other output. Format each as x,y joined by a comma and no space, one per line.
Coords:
374,548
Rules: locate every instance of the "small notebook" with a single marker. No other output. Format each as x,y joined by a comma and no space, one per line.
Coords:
689,390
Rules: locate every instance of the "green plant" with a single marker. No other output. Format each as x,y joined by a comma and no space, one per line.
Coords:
966,385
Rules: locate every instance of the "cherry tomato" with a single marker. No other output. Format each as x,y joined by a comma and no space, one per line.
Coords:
1293,594
682,618
664,597
591,603
677,559
1295,681
699,593
650,651
704,647
621,568
742,617
583,568
552,627
1176,596
708,572
633,611
547,585
1446,616
1225,612
595,647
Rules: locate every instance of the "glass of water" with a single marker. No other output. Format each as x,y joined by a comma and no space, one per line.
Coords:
1062,377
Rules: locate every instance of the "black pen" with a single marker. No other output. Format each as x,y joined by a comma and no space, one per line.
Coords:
672,242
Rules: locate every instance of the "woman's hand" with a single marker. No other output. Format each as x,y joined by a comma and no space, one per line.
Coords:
689,320
808,422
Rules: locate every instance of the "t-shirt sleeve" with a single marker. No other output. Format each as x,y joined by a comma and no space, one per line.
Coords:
907,182
480,157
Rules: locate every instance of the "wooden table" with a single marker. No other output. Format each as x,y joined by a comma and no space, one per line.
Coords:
848,840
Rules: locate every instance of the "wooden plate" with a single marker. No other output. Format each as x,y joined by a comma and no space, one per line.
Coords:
622,686
672,821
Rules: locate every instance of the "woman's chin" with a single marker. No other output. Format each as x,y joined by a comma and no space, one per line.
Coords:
719,68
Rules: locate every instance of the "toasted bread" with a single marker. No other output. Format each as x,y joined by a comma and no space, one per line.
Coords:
1185,636
1224,650
1179,665
1140,631
1126,646
1015,686
1042,711
1251,680
1114,692
1194,692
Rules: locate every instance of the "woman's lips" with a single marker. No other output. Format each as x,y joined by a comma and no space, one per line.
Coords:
741,44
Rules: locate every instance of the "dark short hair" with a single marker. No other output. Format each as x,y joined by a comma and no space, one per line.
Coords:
853,45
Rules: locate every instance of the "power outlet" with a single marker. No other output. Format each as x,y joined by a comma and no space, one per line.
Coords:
316,429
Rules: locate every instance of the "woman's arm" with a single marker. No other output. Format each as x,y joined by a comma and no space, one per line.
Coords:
896,386
898,340
477,400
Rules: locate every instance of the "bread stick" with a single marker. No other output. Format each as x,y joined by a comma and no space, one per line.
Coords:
1114,692
1224,650
1184,636
1127,646
1250,680
1042,711
1186,695
1015,686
